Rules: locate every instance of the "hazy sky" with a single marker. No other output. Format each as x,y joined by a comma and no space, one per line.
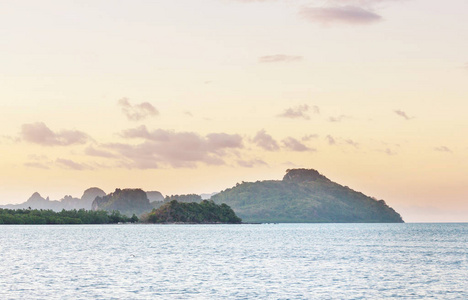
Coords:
193,96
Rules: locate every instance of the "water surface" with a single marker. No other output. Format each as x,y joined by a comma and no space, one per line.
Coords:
268,261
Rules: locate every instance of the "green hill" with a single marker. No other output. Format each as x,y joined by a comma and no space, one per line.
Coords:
304,195
205,212
127,201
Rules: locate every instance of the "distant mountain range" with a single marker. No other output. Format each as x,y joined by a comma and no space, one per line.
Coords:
36,201
304,195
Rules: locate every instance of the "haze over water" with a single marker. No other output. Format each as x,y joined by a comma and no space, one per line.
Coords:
282,261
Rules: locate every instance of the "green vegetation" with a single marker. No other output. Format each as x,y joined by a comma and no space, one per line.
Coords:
184,198
127,201
35,216
206,212
179,198
304,196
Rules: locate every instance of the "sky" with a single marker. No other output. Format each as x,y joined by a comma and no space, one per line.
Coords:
195,96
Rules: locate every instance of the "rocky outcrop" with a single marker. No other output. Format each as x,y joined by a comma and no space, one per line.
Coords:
154,196
36,201
127,201
90,194
303,175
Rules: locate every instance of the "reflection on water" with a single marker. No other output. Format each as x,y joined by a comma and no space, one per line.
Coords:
284,261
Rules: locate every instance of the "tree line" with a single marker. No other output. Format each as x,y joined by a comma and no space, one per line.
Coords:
82,216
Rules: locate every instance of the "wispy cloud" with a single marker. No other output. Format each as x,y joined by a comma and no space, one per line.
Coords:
36,165
279,58
251,1
69,164
91,151
349,14
352,143
265,141
363,2
403,114
39,133
37,157
137,112
443,149
337,119
330,140
177,149
309,137
143,132
300,112
294,145
9,139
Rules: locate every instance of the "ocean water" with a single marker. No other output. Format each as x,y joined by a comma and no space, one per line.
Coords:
267,261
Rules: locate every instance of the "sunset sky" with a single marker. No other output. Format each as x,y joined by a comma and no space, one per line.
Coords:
194,96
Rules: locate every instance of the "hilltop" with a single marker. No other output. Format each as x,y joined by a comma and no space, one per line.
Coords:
127,201
304,195
205,212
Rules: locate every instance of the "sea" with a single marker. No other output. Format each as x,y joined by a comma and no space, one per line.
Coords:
248,261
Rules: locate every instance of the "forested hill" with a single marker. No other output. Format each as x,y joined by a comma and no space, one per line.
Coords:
205,212
127,201
304,195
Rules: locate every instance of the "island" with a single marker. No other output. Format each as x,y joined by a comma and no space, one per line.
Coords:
205,212
304,196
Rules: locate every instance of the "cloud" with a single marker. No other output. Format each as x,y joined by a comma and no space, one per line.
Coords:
37,157
265,141
91,151
294,145
330,140
251,163
337,119
251,1
353,15
224,140
69,164
403,114
309,137
363,2
36,165
142,132
39,133
279,58
443,149
352,143
137,112
10,139
389,152
298,112
178,149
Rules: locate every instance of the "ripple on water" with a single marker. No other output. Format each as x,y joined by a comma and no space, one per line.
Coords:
285,261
